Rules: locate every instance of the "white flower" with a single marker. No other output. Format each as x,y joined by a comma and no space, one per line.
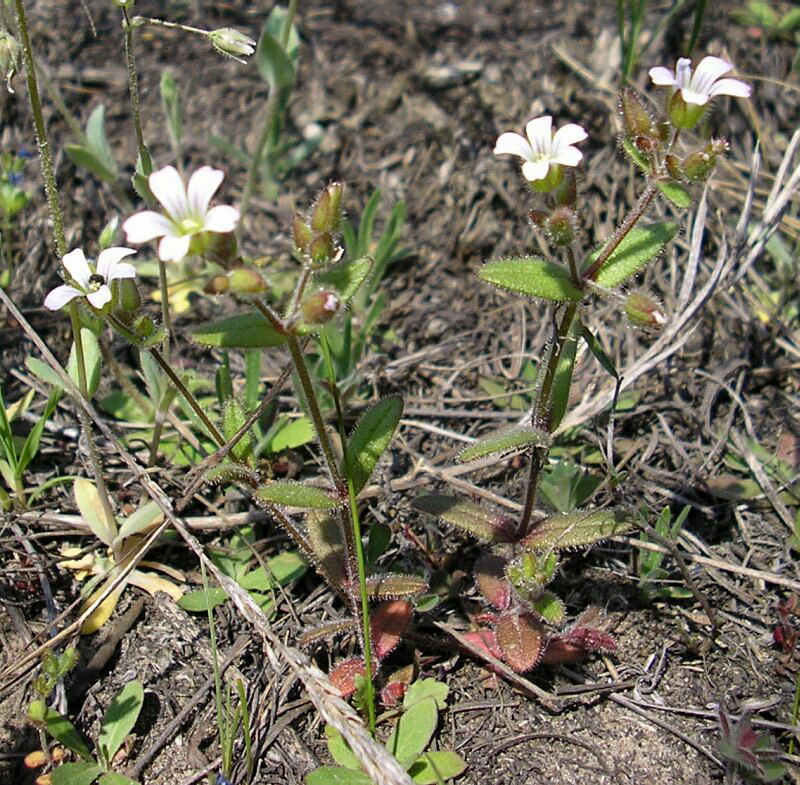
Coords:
704,84
93,284
187,212
543,149
232,43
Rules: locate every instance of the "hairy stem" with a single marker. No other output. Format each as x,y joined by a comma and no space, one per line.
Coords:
133,88
622,230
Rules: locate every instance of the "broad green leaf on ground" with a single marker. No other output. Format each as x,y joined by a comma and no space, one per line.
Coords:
82,773
414,731
436,766
119,719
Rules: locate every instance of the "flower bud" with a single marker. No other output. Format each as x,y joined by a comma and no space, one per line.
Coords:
538,217
326,215
683,115
646,144
301,232
643,311
232,43
635,117
320,307
37,711
699,165
246,281
221,248
9,57
125,297
219,284
323,249
560,226
673,166
144,326
109,233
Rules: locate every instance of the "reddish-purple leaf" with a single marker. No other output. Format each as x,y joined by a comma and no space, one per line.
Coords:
574,645
343,676
520,637
490,575
389,622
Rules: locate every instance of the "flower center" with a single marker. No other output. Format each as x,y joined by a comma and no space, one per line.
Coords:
190,225
96,281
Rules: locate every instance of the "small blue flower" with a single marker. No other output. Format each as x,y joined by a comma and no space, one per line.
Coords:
222,780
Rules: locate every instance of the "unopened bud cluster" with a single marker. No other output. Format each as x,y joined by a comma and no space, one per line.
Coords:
315,234
242,281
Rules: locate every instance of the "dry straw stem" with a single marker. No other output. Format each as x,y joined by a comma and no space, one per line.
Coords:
376,760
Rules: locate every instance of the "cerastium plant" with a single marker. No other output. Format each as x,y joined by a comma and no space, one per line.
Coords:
522,554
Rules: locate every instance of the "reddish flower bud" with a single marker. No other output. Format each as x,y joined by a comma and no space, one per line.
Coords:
673,166
320,307
560,226
221,248
219,284
301,232
635,117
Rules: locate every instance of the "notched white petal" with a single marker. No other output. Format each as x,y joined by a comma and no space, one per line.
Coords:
662,77
730,87
222,218
168,188
99,298
77,266
203,184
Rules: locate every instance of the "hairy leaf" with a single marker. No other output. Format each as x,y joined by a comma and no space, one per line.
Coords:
520,636
533,277
504,441
371,437
343,676
483,524
640,246
490,575
577,528
436,766
550,607
676,193
245,331
388,624
325,539
395,585
337,775
413,731
345,277
296,494
327,631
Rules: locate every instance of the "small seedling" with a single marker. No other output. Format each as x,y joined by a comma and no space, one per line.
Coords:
746,754
651,574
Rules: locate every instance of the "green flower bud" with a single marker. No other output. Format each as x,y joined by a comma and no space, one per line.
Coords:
566,192
683,115
560,226
635,118
9,57
232,43
673,166
323,249
699,165
125,297
219,284
320,307
37,711
326,215
643,311
246,281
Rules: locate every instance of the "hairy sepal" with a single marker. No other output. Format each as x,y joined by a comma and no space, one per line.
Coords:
533,277
575,529
472,518
504,441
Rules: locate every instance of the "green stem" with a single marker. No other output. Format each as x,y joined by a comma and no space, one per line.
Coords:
45,159
148,20
622,230
165,317
133,88
313,406
270,111
359,547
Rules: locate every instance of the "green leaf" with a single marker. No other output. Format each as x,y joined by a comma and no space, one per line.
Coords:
119,719
172,108
640,246
281,569
246,331
437,766
144,518
274,63
576,529
550,607
336,775
31,445
274,24
597,350
340,750
42,371
75,773
533,277
414,731
84,158
426,688
504,441
98,143
394,585
371,437
562,380
63,731
484,524
295,494
202,600
113,778
93,512
91,362
676,193
345,277
635,156
287,434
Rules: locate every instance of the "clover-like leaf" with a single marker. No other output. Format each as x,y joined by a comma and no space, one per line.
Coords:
296,494
559,532
371,437
639,247
245,331
504,441
533,277
484,524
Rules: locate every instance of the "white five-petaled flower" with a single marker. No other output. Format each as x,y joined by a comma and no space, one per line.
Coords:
93,284
543,149
187,212
704,84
